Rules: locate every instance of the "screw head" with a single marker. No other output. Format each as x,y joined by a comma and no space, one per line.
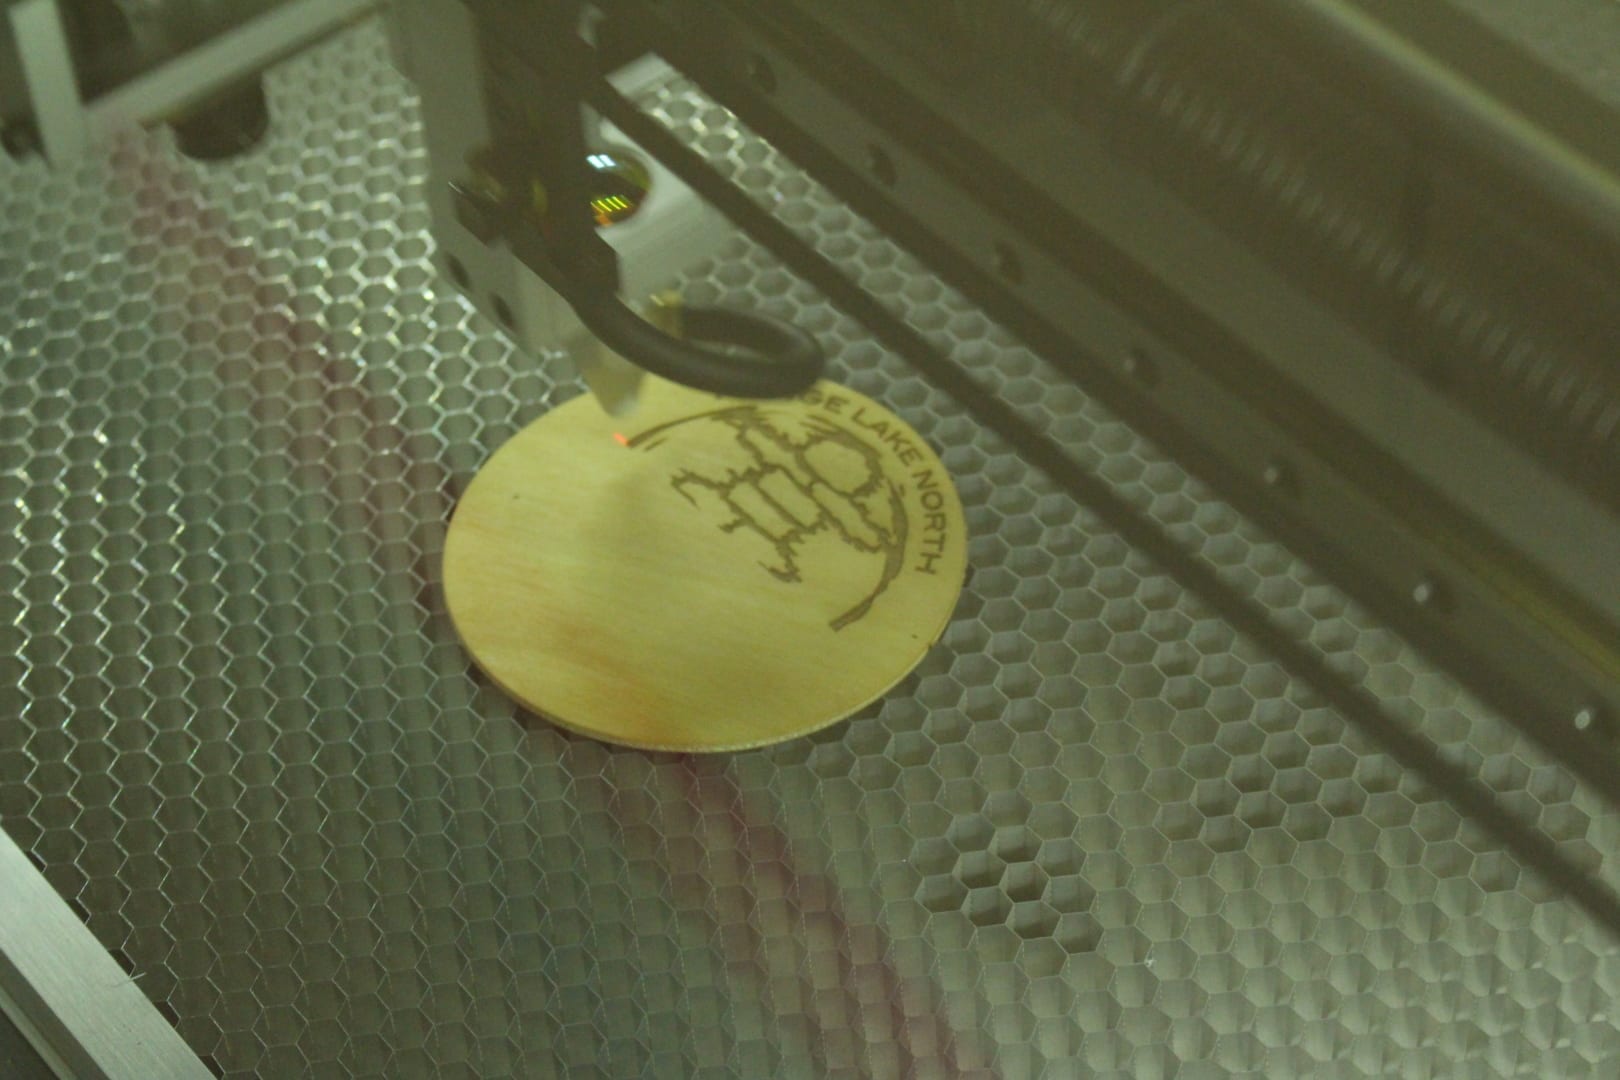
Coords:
1277,476
1139,366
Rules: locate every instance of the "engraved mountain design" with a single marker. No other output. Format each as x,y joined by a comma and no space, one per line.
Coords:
790,487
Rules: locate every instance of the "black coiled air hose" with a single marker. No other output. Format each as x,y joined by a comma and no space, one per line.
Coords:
785,359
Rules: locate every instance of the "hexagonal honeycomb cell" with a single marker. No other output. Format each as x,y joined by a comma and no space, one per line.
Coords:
1097,831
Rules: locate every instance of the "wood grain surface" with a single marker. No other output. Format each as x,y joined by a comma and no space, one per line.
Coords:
707,574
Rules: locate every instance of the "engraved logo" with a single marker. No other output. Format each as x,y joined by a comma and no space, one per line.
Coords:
797,480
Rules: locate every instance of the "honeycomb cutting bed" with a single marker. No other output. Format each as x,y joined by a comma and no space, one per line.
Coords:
1096,833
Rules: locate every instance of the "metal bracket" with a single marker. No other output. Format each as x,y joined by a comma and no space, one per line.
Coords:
69,126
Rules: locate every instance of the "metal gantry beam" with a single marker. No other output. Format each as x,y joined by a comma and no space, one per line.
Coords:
84,1014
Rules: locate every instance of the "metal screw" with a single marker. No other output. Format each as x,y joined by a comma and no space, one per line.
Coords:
1139,366
1277,476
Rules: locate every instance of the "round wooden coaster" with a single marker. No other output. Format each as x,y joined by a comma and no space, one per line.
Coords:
707,574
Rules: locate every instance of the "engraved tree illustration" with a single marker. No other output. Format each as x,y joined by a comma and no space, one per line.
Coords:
787,487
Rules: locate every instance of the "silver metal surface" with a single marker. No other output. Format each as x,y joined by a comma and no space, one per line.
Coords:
84,1016
1097,833
47,70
